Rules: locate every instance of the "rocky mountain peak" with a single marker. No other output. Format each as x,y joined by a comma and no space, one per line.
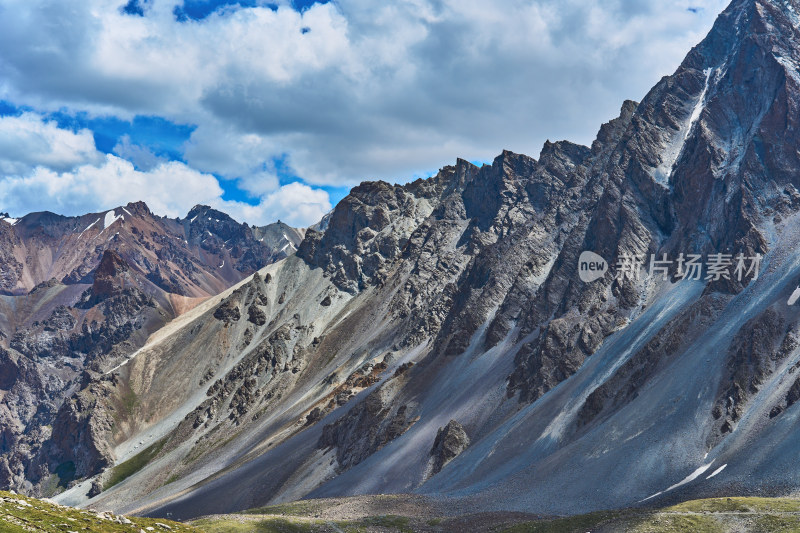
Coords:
110,277
138,208
200,211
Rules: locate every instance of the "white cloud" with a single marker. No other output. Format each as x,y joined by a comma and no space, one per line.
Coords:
142,157
296,204
373,89
170,189
53,169
27,141
259,183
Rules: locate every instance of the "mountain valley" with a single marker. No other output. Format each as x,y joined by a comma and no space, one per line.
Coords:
434,341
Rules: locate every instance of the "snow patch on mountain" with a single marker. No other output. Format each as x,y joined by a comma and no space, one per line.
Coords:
110,219
89,226
688,479
663,172
717,471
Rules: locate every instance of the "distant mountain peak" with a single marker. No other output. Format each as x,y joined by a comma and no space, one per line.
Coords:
207,211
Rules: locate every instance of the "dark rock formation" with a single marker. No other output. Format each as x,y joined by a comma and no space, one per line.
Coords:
366,428
228,311
450,441
256,315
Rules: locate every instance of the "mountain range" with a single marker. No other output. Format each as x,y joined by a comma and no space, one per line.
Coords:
79,294
436,337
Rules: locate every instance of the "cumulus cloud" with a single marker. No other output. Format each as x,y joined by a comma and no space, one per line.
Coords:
142,157
355,89
47,168
296,204
28,141
170,189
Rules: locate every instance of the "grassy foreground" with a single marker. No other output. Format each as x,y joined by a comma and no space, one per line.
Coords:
21,514
716,515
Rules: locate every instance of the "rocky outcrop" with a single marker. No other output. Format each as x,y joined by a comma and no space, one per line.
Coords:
755,354
450,441
81,431
367,230
110,277
228,311
248,247
647,362
256,315
10,268
366,428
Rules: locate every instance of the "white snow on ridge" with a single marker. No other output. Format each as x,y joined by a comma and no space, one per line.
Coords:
110,218
89,226
672,152
698,107
10,220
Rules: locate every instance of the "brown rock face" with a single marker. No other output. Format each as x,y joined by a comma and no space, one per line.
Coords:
110,277
759,347
200,255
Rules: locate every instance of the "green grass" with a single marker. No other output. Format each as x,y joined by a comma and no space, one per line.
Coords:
669,523
775,524
298,524
125,470
261,525
716,505
43,517
59,479
568,524
298,508
391,522
715,515
130,402
19,514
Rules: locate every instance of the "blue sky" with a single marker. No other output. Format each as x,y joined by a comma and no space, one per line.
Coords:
276,109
